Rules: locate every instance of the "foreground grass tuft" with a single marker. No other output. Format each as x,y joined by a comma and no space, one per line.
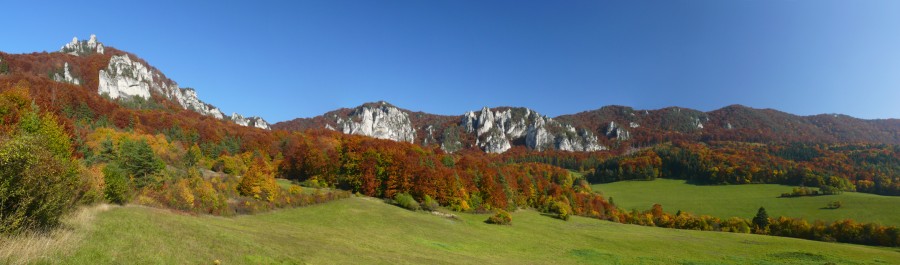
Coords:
33,246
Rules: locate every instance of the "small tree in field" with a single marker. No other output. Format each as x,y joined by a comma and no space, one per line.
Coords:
761,221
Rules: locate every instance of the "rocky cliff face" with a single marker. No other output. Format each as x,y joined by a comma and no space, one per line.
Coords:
617,132
379,120
126,78
492,130
79,48
497,129
249,121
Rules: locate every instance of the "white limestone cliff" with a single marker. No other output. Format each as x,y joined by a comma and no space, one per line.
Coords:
79,48
379,120
617,132
249,121
124,78
496,130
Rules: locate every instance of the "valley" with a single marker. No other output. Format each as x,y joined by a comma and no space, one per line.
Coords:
726,201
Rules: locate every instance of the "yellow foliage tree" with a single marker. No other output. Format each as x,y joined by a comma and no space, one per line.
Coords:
259,180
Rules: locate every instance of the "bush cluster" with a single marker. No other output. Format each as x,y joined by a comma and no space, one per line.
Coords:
500,217
429,204
406,201
39,180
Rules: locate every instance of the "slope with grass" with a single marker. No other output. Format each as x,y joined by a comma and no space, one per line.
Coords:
744,200
367,231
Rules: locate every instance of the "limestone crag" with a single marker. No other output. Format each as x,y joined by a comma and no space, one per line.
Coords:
124,78
617,132
379,120
249,121
496,130
66,76
79,48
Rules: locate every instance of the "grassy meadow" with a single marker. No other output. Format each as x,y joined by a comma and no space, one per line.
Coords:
363,230
744,200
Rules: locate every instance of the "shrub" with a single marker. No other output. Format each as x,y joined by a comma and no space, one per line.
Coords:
429,204
834,205
500,217
117,190
406,201
92,185
36,187
830,190
295,189
561,210
183,195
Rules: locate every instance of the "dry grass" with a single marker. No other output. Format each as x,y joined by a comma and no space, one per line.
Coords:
33,247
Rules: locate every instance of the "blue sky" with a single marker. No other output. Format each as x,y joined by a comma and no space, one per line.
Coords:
288,59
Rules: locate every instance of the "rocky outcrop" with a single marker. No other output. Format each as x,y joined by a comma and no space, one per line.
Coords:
379,120
617,132
250,121
496,130
66,76
79,48
124,78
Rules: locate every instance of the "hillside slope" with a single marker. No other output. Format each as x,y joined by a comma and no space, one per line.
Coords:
366,230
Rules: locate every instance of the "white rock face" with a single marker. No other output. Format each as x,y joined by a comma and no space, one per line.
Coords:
615,131
125,78
66,76
381,121
79,48
429,136
495,130
250,122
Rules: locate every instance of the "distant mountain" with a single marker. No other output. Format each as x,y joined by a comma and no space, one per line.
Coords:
496,130
115,74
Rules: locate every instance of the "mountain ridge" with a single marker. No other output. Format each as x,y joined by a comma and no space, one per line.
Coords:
116,74
625,126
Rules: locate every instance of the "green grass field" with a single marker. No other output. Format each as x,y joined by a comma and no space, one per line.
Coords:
368,231
744,200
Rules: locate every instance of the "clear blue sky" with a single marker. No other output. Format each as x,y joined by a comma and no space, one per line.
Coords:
288,59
